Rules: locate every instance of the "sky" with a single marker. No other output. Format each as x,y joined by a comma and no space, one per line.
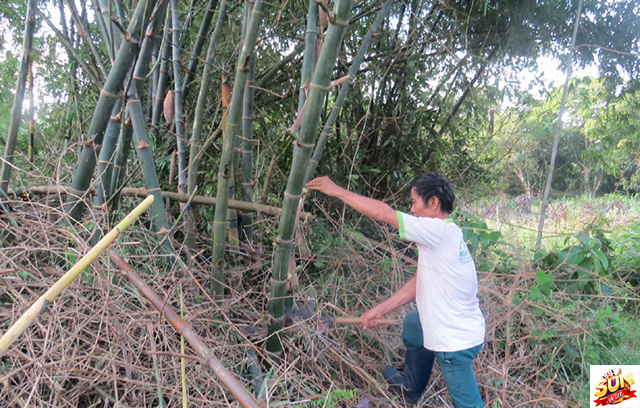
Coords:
548,70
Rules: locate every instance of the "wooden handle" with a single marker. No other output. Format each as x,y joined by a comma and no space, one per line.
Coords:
357,320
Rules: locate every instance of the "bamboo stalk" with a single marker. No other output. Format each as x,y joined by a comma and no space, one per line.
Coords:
186,330
105,170
177,93
161,86
97,10
16,112
108,97
120,161
112,144
183,198
247,148
145,155
107,155
192,175
227,156
344,90
199,43
115,40
32,313
301,153
309,52
134,108
267,180
32,117
183,363
87,40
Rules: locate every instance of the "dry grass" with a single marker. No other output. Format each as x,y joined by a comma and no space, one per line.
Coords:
101,344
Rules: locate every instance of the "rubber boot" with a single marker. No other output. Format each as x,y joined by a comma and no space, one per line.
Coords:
417,370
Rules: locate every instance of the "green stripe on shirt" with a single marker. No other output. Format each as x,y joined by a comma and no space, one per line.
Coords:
403,235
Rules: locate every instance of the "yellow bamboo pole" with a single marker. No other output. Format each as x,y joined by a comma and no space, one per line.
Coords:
32,313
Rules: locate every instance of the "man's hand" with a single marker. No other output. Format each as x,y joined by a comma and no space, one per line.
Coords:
369,318
324,185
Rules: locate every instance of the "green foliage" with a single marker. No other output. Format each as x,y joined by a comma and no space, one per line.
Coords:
626,253
335,399
483,243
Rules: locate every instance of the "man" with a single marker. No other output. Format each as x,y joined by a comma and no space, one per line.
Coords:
448,326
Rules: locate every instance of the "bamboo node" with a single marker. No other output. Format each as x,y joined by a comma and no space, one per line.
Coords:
75,192
294,196
143,145
303,145
322,88
109,94
280,241
184,327
245,65
338,22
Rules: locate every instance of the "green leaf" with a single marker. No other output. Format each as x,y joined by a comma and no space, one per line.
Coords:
601,257
535,293
495,236
545,282
572,255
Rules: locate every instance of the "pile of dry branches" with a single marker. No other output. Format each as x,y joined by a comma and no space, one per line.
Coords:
102,344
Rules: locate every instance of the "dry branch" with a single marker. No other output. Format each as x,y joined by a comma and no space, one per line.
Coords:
32,313
186,330
182,198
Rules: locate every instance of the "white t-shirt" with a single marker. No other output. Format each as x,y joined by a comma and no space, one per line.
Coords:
447,284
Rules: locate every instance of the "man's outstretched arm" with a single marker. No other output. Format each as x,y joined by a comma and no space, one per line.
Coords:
370,207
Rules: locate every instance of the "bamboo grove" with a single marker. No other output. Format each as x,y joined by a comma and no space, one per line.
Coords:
317,86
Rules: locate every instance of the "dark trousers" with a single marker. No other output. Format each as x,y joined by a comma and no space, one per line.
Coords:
456,366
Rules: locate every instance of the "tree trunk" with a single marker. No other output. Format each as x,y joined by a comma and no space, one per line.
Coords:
554,151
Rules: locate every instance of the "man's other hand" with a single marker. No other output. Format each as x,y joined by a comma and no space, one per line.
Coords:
369,319
324,185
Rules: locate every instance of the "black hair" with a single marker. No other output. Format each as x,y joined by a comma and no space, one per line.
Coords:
435,185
